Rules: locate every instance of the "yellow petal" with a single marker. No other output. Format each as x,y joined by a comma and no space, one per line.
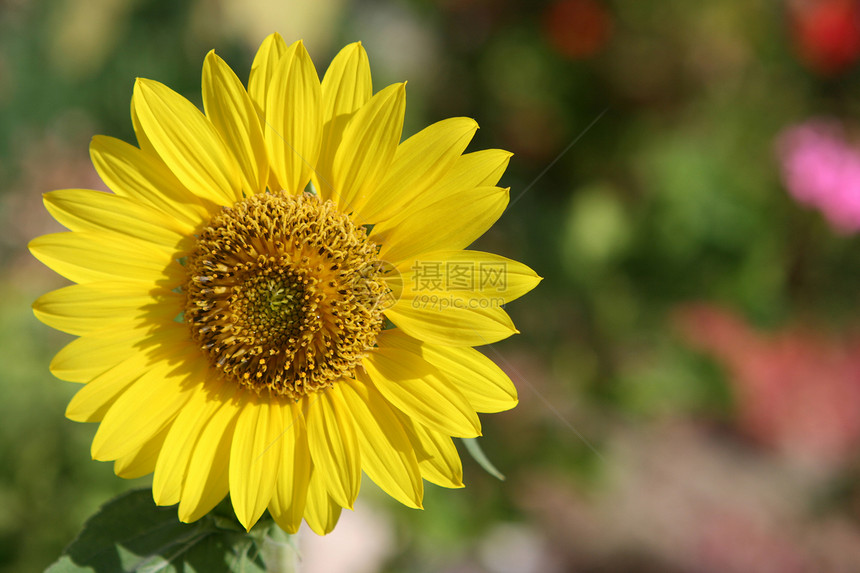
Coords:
387,456
465,275
143,177
345,87
141,461
478,169
255,458
206,480
321,511
263,70
265,63
187,142
142,141
82,309
86,357
87,210
333,445
293,124
447,224
485,385
232,112
415,387
437,455
419,163
88,256
147,406
439,321
91,403
185,432
288,501
369,142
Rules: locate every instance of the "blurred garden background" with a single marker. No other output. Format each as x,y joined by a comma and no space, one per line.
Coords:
686,178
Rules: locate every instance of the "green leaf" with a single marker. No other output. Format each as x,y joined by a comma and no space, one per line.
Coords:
479,456
133,535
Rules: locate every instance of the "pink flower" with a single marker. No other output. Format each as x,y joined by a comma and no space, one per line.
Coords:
821,169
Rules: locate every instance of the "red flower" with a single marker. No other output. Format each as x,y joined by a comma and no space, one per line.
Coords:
577,29
826,33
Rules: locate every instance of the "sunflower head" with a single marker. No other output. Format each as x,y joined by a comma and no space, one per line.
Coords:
275,295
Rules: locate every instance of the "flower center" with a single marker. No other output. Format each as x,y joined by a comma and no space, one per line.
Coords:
283,293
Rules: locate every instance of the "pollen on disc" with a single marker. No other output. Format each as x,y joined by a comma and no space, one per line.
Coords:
283,293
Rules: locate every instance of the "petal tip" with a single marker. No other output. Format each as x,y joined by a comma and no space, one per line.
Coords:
72,415
97,143
472,124
33,246
96,452
141,85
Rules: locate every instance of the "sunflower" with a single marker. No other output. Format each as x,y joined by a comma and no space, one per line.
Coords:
275,296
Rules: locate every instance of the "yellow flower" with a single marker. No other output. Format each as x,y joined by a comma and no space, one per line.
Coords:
275,297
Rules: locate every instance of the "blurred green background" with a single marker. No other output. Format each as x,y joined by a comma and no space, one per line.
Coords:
689,371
